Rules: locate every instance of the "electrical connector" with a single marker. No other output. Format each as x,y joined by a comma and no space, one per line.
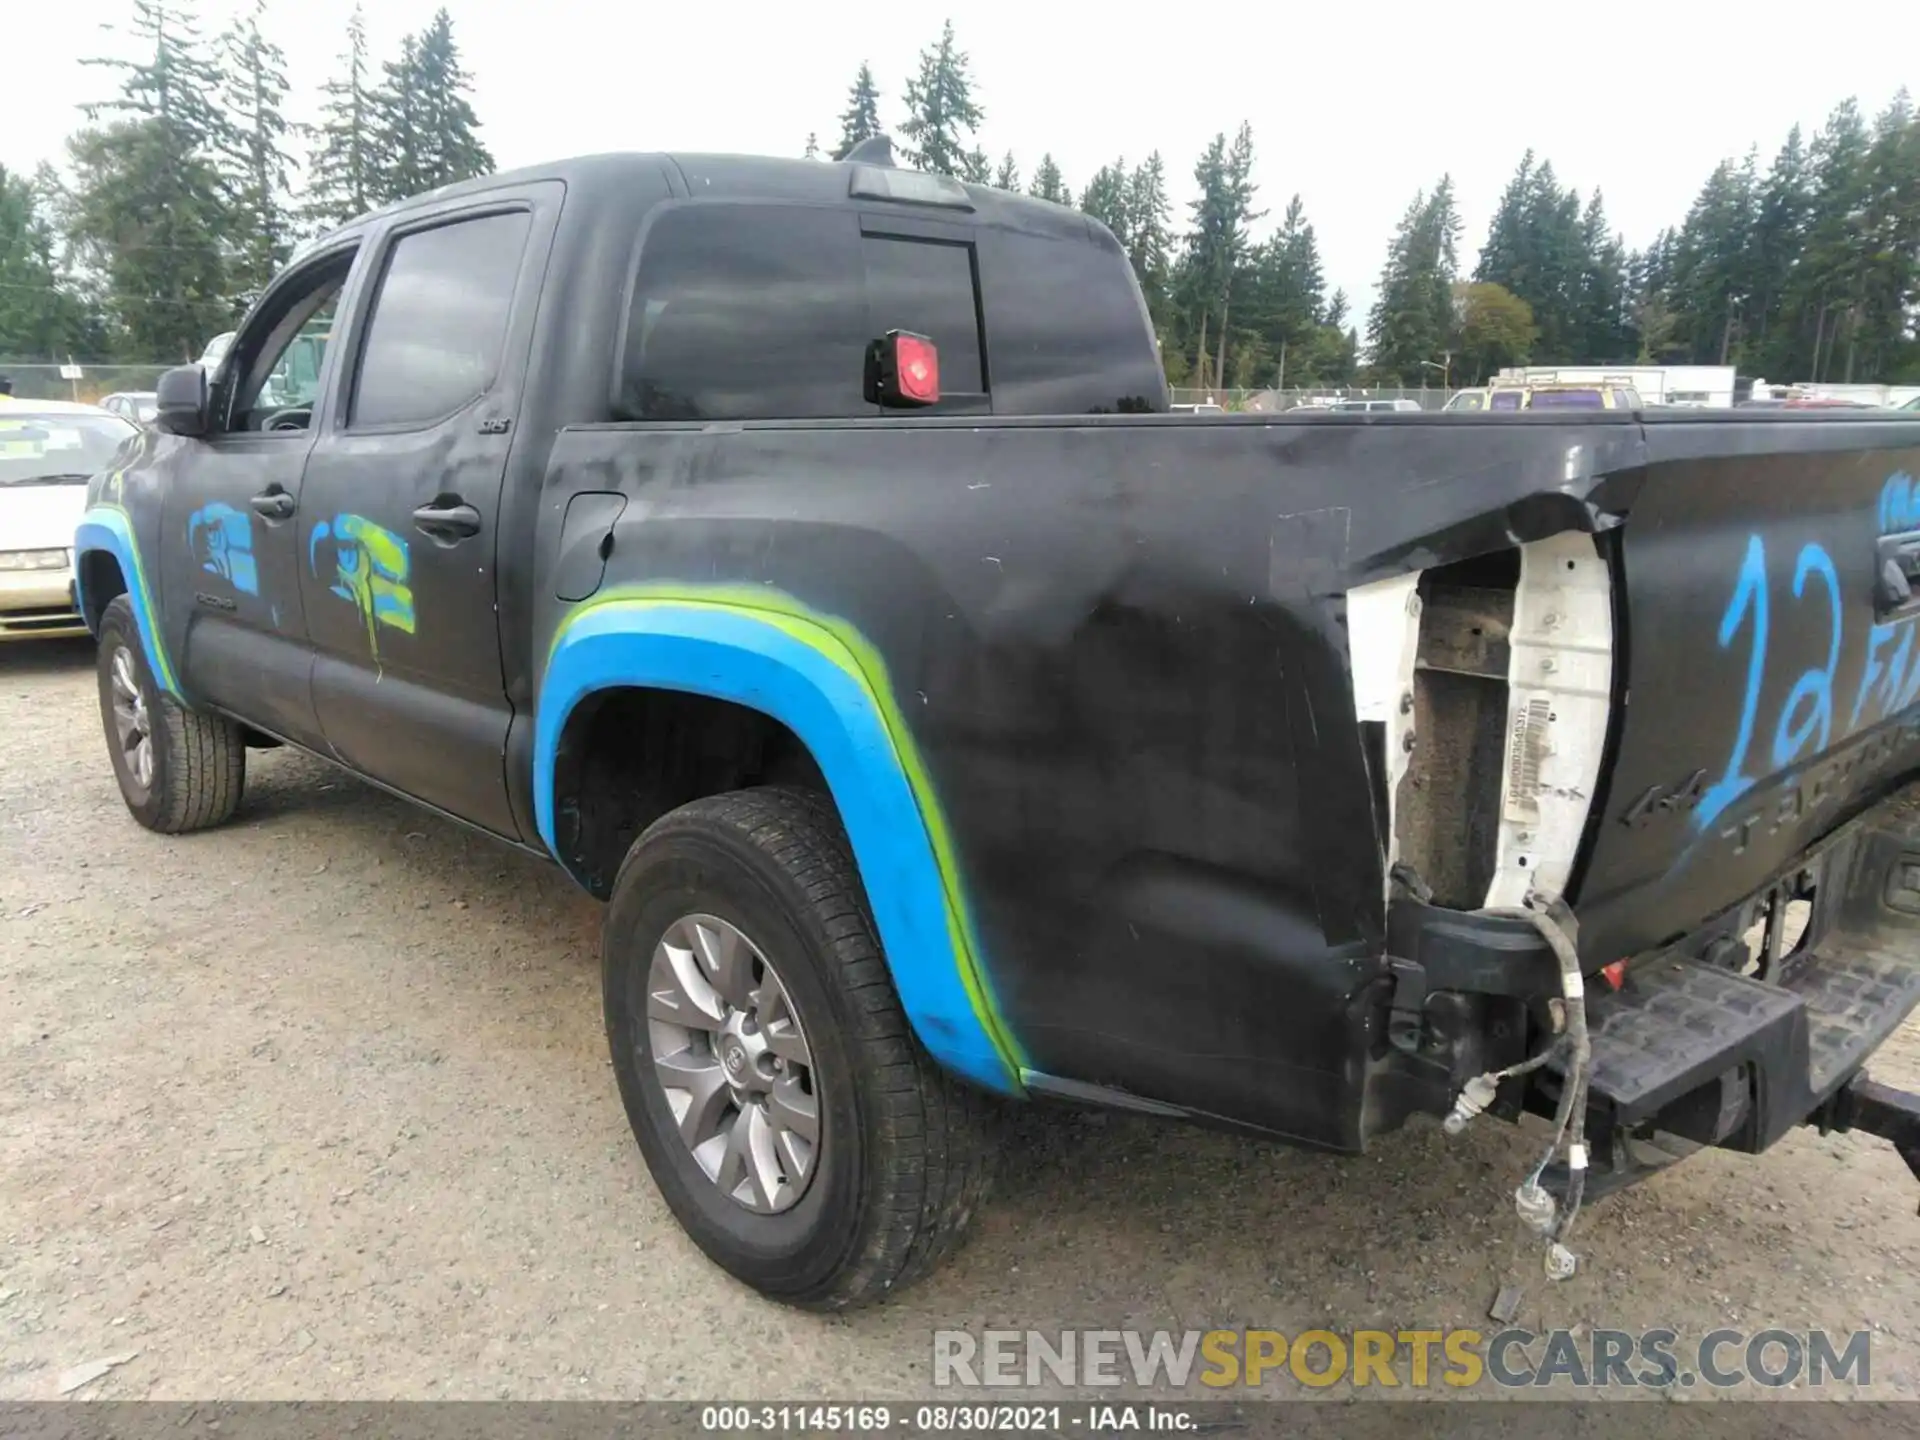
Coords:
1475,1096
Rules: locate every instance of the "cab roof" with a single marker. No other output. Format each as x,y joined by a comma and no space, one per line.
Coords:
759,177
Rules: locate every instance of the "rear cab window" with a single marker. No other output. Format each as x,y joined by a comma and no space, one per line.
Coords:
750,310
1582,398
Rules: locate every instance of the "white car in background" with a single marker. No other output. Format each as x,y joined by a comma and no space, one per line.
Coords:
49,449
139,406
1375,406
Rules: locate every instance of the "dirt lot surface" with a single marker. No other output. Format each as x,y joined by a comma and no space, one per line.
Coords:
317,1105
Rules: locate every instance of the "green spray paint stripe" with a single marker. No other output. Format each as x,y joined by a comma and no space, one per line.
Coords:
851,652
161,662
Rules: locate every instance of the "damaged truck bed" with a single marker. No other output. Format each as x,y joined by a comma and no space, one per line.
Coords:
1298,774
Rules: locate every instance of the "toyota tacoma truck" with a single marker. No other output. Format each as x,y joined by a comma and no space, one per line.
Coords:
803,557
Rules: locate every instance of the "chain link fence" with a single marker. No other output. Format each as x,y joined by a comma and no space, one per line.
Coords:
38,380
1273,402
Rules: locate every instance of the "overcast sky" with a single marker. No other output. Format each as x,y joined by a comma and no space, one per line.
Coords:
1353,107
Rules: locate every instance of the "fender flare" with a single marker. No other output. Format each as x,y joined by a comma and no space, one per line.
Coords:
823,681
107,528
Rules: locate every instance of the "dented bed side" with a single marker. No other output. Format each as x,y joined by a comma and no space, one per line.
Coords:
1185,694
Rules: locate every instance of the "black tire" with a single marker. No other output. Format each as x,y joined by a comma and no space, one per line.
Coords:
199,761
905,1151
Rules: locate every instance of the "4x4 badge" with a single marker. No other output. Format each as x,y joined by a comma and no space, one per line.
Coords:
1664,800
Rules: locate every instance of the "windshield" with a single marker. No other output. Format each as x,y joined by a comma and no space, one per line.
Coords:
42,449
1468,400
1567,400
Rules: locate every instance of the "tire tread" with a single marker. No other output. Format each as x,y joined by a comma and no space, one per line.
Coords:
203,771
933,1135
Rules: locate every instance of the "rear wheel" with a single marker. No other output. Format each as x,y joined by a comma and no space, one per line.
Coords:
793,1123
178,770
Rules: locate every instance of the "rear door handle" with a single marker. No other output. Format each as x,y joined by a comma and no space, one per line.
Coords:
275,504
448,518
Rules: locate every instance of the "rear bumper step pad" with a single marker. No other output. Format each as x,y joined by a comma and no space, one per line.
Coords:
1678,1025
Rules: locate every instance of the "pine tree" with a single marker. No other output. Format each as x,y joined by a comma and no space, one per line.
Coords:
1216,247
1413,320
40,314
941,112
1779,234
1601,330
976,167
256,89
1882,342
1007,177
861,119
399,127
1711,267
425,132
456,152
149,211
1048,183
343,181
1105,199
1150,234
812,152
1827,280
1505,258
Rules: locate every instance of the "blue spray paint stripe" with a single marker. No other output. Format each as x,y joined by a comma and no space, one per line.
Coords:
728,654
108,528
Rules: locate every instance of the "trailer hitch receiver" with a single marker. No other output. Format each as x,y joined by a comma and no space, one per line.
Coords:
1875,1109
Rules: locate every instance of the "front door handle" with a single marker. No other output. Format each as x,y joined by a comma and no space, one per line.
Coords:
448,518
275,504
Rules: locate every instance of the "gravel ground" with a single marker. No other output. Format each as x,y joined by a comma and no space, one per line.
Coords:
317,1106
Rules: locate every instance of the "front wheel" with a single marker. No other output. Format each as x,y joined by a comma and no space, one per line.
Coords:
793,1123
178,770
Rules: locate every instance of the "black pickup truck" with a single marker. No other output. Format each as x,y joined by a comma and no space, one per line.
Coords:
800,555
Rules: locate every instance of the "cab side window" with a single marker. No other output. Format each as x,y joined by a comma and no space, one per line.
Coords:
747,312
277,361
439,321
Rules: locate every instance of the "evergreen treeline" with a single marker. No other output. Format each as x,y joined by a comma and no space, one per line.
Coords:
1810,271
189,185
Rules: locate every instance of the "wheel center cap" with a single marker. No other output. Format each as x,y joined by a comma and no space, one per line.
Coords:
734,1057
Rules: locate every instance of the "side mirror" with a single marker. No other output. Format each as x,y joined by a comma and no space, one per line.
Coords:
181,403
903,371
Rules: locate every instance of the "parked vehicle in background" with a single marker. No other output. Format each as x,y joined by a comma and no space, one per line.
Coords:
49,449
795,552
1803,402
1604,396
1699,387
139,406
1206,407
216,351
1374,407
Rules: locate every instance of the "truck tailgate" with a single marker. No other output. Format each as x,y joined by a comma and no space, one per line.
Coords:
1771,668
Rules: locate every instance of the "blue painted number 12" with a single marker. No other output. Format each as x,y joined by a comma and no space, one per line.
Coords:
1809,709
